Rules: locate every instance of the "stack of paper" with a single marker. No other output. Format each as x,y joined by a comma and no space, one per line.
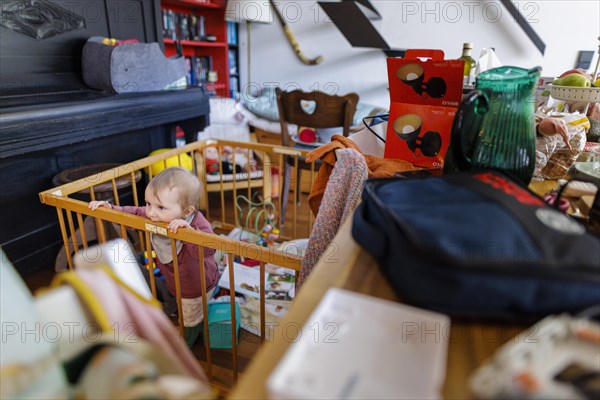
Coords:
359,347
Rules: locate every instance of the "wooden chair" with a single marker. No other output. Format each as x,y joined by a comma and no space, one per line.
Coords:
330,111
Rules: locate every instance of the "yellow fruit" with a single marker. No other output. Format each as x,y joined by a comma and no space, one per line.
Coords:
184,159
596,82
573,80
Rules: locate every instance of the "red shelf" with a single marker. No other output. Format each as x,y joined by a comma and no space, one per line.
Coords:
195,43
215,24
195,4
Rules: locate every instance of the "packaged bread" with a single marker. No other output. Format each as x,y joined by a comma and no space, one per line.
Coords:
556,153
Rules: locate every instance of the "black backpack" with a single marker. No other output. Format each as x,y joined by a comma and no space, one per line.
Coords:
477,244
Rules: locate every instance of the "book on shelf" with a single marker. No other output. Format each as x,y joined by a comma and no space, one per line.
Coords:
231,55
233,85
197,69
232,34
168,24
186,26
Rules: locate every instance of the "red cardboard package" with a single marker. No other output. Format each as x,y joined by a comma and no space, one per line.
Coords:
425,90
419,134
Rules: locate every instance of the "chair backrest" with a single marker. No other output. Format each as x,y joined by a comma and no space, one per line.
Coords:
329,111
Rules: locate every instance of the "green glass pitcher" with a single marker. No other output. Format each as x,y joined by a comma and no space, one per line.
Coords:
494,127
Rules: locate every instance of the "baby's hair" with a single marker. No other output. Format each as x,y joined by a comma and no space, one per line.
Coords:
188,186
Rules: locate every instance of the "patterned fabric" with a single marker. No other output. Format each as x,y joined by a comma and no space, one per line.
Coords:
117,307
341,197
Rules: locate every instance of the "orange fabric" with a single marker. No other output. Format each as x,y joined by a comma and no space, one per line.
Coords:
378,167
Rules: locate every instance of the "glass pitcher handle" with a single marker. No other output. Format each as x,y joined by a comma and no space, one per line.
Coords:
465,128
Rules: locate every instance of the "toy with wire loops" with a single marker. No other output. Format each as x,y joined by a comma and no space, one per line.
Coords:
257,217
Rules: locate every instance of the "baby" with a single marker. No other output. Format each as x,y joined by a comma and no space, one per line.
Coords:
172,197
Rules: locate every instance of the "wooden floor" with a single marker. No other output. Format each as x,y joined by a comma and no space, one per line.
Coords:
248,343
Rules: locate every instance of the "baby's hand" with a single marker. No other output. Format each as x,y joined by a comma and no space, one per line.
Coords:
178,223
97,204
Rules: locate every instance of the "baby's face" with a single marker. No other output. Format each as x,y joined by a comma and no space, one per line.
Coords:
164,207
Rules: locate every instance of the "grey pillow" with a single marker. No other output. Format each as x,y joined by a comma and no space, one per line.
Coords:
265,106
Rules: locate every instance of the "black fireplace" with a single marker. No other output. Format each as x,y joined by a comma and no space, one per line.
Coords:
50,121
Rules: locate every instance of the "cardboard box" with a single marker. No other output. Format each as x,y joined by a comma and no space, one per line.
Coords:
419,134
425,91
219,325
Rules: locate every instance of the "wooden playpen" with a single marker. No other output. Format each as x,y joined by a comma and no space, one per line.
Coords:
218,204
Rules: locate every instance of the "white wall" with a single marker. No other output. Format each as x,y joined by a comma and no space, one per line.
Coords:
565,26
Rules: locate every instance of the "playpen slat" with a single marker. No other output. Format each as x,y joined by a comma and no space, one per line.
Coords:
72,230
63,231
177,287
118,203
221,184
82,231
205,311
233,317
248,174
263,314
148,247
234,181
101,235
191,156
281,186
115,192
201,175
136,201
134,190
298,174
311,217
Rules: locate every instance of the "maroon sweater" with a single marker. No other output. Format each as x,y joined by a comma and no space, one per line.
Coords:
189,268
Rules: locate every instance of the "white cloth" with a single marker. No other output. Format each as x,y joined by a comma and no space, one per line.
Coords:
192,310
368,142
264,124
162,244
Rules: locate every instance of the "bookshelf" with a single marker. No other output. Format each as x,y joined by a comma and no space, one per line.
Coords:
205,40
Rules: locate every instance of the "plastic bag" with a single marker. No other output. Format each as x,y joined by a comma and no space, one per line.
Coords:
487,60
553,156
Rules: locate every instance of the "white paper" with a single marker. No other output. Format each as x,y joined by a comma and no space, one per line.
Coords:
355,346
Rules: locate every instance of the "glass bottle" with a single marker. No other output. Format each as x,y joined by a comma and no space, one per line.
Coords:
469,72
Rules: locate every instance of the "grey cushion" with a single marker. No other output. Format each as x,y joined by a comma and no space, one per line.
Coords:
131,67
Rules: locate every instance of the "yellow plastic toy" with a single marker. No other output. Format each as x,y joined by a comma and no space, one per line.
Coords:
186,162
109,41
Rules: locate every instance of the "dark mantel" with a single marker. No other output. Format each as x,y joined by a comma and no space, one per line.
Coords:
50,121
27,129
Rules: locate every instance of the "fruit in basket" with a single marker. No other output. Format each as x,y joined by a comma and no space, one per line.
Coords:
573,79
596,82
575,71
